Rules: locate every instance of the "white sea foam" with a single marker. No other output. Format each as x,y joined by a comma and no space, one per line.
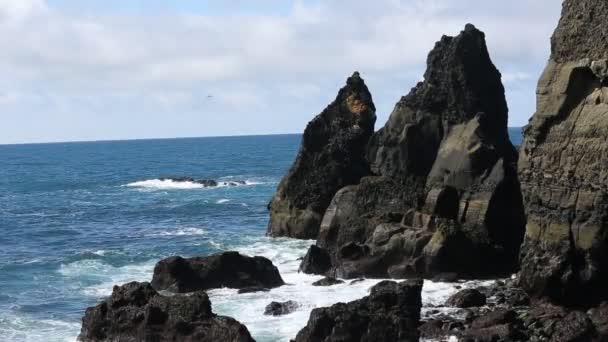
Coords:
168,184
249,308
180,232
165,184
20,327
99,279
222,201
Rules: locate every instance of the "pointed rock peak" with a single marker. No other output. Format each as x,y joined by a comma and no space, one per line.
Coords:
471,28
356,96
582,31
462,80
355,78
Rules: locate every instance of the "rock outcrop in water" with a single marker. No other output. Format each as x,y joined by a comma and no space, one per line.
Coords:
331,157
228,269
136,312
564,164
444,195
390,313
207,183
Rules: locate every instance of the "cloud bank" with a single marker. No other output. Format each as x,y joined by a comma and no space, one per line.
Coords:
71,73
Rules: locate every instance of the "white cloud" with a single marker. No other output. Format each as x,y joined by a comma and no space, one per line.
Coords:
286,66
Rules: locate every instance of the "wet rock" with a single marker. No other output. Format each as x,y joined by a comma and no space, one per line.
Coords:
355,281
599,317
253,289
563,162
280,309
497,317
136,312
576,326
228,269
467,298
443,196
203,182
328,281
390,313
331,156
316,261
446,277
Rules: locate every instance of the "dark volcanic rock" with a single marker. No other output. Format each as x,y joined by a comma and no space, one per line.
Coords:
444,195
253,289
390,313
316,261
331,157
280,309
563,163
204,182
228,269
136,312
467,298
327,281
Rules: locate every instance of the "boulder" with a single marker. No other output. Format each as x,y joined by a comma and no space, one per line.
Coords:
443,195
252,289
328,281
467,298
331,156
316,261
136,312
228,269
563,163
390,313
280,309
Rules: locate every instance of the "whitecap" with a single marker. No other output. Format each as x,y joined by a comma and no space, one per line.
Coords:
285,254
222,201
180,232
169,184
166,184
97,278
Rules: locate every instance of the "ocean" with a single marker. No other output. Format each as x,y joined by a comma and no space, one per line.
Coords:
78,218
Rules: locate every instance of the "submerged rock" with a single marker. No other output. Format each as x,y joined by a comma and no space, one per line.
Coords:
328,281
390,313
280,309
563,163
444,196
228,269
136,312
331,157
467,298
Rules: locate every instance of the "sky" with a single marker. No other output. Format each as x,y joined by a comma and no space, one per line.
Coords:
74,70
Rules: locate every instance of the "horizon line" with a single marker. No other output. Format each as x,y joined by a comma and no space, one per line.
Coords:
161,138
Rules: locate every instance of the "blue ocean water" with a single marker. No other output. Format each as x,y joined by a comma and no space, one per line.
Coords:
69,220
77,218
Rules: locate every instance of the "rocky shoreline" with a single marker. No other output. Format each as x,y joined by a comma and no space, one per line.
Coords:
438,193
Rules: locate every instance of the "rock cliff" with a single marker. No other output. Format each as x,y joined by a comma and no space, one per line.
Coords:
331,157
444,194
564,164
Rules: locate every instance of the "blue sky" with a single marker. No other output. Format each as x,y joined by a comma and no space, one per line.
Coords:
125,69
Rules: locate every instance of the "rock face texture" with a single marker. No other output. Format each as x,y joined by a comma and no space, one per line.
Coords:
444,194
390,313
228,269
136,312
331,157
564,164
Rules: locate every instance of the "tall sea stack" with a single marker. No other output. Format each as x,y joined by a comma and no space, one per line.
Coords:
564,164
331,156
444,194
